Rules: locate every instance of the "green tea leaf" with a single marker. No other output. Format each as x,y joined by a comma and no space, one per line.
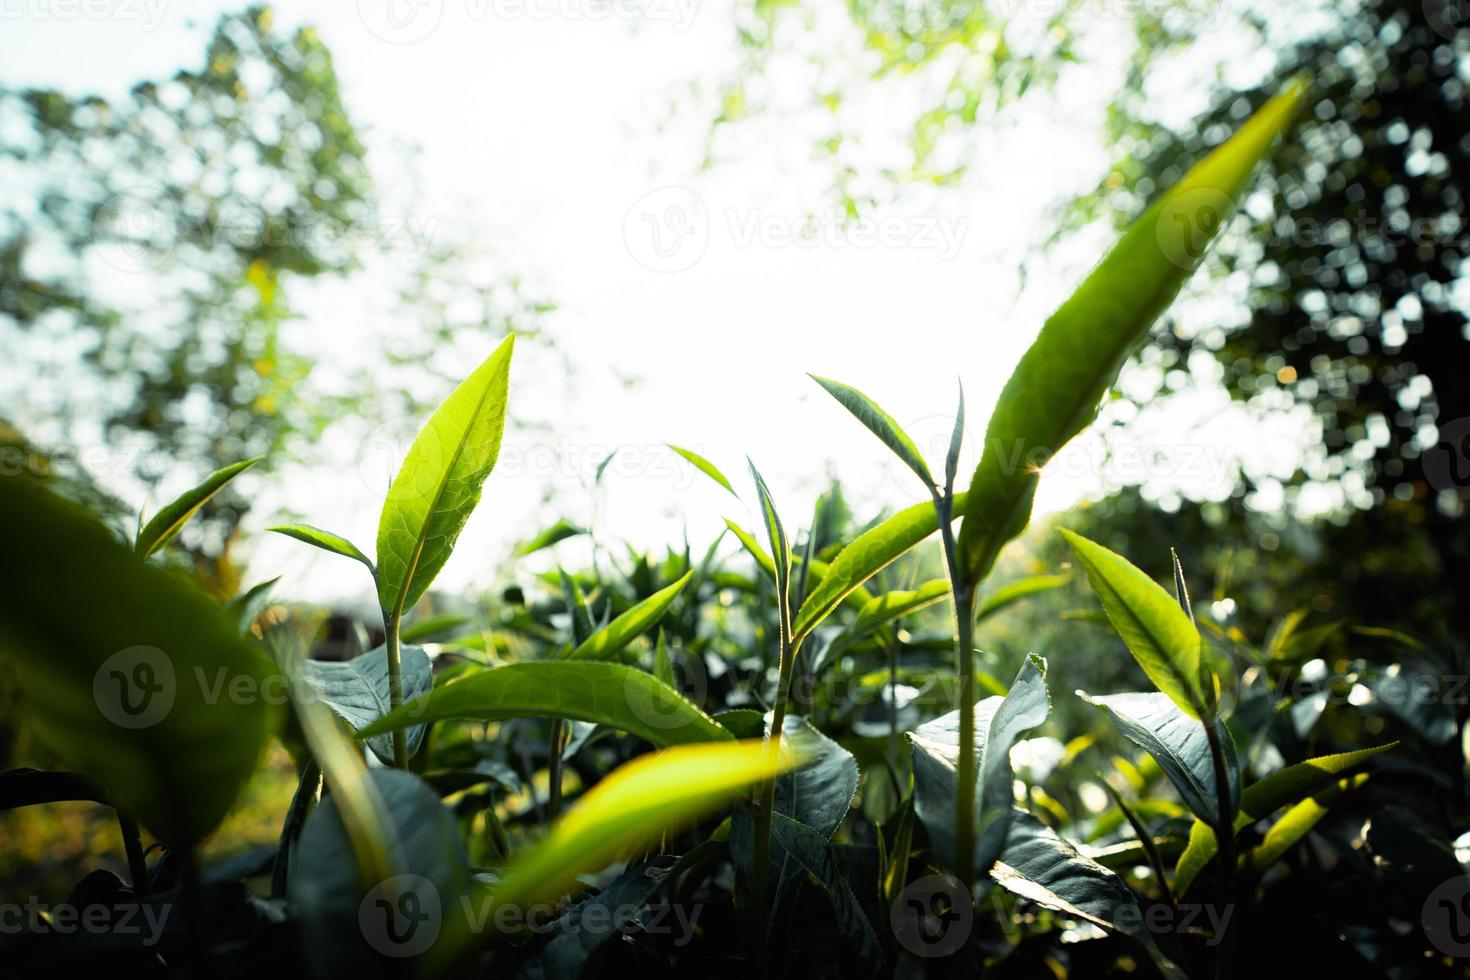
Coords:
439,483
249,604
881,424
855,599
1042,867
1260,799
956,442
935,745
555,534
125,671
350,925
663,667
431,626
357,690
819,791
865,556
612,638
1013,592
780,544
325,540
1055,389
632,806
166,524
706,467
1155,629
1180,746
813,853
577,609
605,693
884,609
1297,822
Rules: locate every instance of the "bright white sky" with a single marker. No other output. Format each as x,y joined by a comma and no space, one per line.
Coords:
541,131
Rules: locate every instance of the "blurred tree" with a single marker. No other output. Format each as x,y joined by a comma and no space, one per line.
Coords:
156,250
1353,260
155,238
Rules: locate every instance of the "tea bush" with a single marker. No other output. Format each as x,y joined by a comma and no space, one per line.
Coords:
795,765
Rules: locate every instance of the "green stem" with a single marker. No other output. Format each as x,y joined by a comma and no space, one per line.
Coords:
964,625
133,846
1224,835
553,769
308,791
395,688
766,797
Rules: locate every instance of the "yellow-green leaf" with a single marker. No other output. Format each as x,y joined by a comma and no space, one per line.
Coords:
633,806
439,483
1155,629
1055,389
612,638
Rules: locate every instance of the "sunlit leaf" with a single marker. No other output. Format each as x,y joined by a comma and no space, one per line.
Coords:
1013,592
325,540
1155,629
881,424
607,642
865,556
1055,389
610,694
632,806
166,524
555,534
439,483
1297,822
706,467
1260,799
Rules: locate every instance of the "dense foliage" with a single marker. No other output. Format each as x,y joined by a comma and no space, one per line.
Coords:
786,760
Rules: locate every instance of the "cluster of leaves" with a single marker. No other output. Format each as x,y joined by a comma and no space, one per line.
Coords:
453,782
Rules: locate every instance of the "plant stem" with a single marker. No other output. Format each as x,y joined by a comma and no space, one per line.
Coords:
308,790
1224,834
964,613
133,846
395,688
766,798
553,769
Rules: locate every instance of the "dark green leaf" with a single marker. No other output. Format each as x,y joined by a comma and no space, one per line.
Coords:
1180,746
357,690
999,721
